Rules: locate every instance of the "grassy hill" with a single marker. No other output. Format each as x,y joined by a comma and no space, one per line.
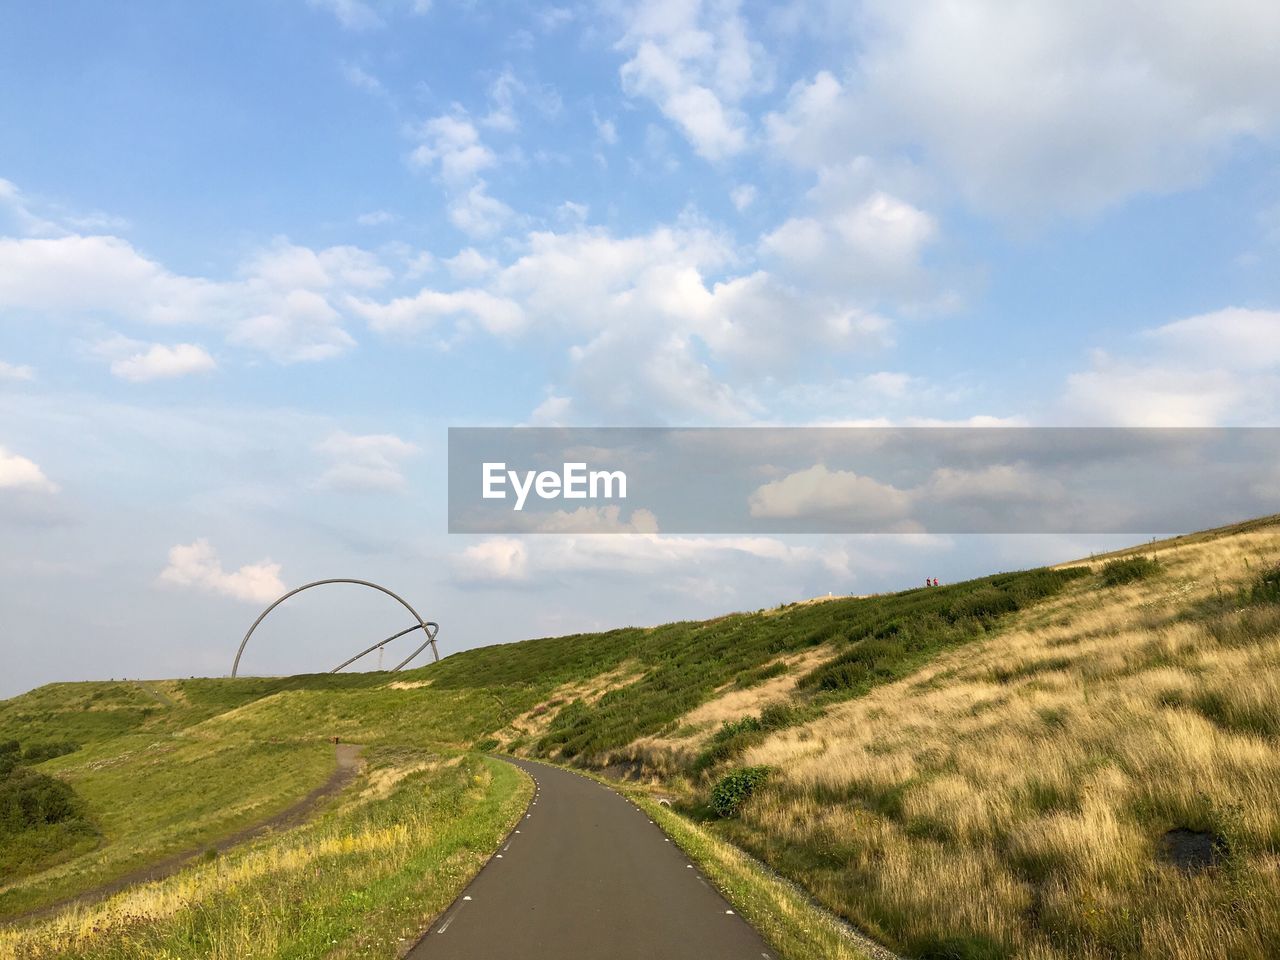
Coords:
1074,762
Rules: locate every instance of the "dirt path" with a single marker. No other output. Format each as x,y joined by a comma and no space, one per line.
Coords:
348,757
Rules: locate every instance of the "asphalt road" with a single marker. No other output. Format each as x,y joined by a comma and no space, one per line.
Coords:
587,875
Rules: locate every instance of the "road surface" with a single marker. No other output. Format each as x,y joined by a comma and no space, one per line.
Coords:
587,875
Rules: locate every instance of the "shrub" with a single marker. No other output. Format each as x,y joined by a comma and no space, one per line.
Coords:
1128,570
40,752
29,799
487,745
751,678
734,789
1266,589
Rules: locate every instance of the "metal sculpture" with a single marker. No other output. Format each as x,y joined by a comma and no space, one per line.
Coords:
429,627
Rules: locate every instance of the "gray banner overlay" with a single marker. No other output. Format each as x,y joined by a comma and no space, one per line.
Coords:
859,480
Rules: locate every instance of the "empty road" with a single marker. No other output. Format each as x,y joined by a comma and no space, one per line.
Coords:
587,875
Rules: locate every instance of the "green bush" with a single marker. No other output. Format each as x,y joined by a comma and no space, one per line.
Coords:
1128,570
906,630
734,789
40,752
752,678
29,799
1266,589
487,745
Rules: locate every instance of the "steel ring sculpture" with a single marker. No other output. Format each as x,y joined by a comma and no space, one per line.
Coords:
428,627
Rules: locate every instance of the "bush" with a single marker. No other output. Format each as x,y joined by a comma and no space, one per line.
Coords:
1266,589
29,799
487,745
1128,570
734,789
40,752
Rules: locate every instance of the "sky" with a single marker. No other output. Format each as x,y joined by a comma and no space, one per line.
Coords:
257,257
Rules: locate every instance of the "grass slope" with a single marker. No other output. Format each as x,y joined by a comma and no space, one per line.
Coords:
982,770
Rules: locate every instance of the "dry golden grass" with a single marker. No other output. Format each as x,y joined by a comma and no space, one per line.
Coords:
533,723
730,703
1010,796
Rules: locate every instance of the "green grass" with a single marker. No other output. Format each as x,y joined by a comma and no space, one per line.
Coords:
1129,570
150,799
167,767
362,881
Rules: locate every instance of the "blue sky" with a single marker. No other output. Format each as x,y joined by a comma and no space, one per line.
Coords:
255,258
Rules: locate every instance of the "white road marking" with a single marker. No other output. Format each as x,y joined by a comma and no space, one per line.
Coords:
729,913
449,919
498,856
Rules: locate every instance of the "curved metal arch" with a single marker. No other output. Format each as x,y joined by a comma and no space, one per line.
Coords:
423,625
431,629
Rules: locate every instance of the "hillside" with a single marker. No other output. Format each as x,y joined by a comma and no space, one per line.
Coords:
1073,762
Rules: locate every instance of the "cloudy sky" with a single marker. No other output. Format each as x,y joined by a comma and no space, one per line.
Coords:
256,257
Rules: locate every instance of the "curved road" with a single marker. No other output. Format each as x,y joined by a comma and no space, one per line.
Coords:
587,875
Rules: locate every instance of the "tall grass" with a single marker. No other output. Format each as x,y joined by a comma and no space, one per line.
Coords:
360,882
1008,799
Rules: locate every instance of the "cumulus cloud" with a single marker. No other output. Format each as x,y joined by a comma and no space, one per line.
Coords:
362,79
821,493
16,371
1051,107
365,463
1214,369
450,146
197,565
286,300
874,245
19,473
696,62
683,561
665,326
495,315
743,196
140,362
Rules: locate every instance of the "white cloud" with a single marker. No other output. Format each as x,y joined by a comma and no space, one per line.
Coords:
282,302
142,362
365,463
1047,107
695,61
679,560
743,196
352,14
821,493
376,218
300,326
12,371
606,130
650,334
450,144
470,264
478,214
492,314
197,565
19,473
1214,369
362,79
875,246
